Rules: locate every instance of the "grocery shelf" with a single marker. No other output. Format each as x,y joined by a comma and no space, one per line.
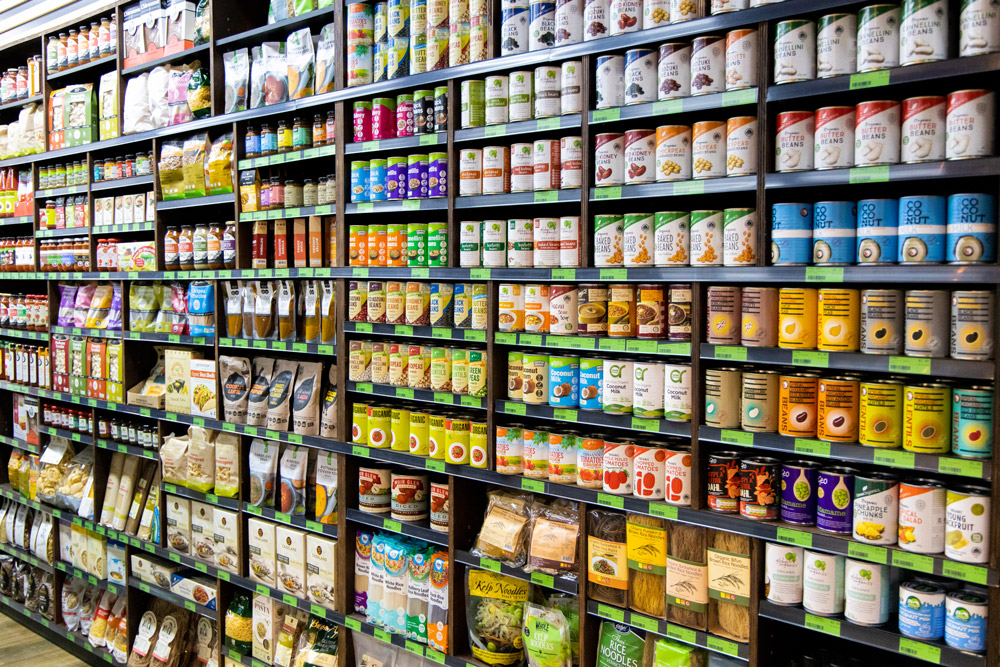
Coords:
383,522
55,233
285,213
875,637
85,331
674,106
123,228
569,121
172,598
78,189
19,220
131,450
121,183
973,167
295,520
600,344
421,395
201,496
191,202
290,156
980,469
186,55
23,333
310,348
91,579
397,205
595,418
235,656
20,444
707,186
255,35
557,583
519,198
405,330
75,436
26,555
101,62
17,104
430,139
73,643
168,338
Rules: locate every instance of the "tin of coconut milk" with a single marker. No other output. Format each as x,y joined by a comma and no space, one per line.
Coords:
971,229
677,392
921,610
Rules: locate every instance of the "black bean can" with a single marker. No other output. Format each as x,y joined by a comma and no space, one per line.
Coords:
440,109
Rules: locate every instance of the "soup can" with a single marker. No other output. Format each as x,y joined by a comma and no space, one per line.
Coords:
590,463
795,51
791,233
592,309
795,141
965,625
798,492
837,407
679,312
510,450
708,64
722,397
621,311
822,583
876,508
867,592
677,393
835,500
881,321
674,71
972,422
967,524
759,402
834,233
921,516
837,45
971,228
783,573
972,316
927,331
878,37
511,307
723,481
927,418
877,234
651,311
880,414
923,32
563,309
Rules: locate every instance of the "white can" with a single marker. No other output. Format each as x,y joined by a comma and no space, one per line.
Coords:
496,170
708,65
610,81
571,167
677,392
564,312
640,76
617,383
876,133
726,6
497,94
706,238
739,237
655,13
876,508
741,146
608,232
618,458
571,95
626,16
671,238
650,469
673,153
520,243
878,37
470,172
522,168
595,19
521,105
640,157
570,242
836,45
978,28
867,592
970,122
923,33
923,131
569,22
783,573
795,51
822,583
495,243
541,25
637,245
546,239
967,524
548,91
795,141
677,476
673,71
741,59
546,164
513,30
609,159
921,516
684,10
708,149
470,239
834,142
647,383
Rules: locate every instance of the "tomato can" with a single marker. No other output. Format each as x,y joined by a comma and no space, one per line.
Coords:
677,475
724,481
439,507
927,418
723,315
650,473
590,463
536,453
972,317
619,468
880,410
510,450
563,457
722,397
972,422
797,405
760,484
881,321
921,516
797,314
759,402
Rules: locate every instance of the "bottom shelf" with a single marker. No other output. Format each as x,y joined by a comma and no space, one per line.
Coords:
71,642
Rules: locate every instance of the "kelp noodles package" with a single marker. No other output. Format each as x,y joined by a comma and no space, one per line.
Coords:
325,55
546,636
171,169
301,64
236,69
494,615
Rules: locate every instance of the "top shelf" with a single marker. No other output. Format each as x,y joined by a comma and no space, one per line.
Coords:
100,62
173,57
256,34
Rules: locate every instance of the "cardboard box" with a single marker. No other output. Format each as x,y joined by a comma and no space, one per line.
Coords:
115,392
119,214
77,356
178,379
136,397
115,369
26,419
268,617
139,207
117,564
56,120
97,355
316,241
178,26
179,524
144,36
79,547
60,382
128,214
97,554
290,552
80,114
260,538
321,563
280,244
77,385
227,540
59,353
203,532
203,388
150,206
97,389
107,112
299,252
198,589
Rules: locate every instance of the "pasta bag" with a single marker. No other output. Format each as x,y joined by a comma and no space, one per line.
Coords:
687,576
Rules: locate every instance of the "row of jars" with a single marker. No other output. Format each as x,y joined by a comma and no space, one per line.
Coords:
442,369
199,247
29,312
20,83
112,169
80,46
298,135
62,175
71,419
462,305
17,254
128,432
291,193
64,254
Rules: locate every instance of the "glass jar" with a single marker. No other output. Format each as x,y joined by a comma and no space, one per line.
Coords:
265,194
185,248
331,128
60,176
277,193
214,246
229,245
320,191
129,166
293,193
171,256
251,142
104,37
119,167
331,189
52,55
143,164
22,82
200,241
319,131
310,193
83,45
62,58
94,47
72,43
284,137
301,135
98,171
268,140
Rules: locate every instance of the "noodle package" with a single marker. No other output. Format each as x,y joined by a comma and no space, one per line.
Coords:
505,528
546,637
729,573
607,560
687,576
495,615
646,540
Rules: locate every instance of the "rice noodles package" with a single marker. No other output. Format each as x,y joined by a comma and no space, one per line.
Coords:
687,576
646,540
418,561
495,614
555,531
437,602
362,570
376,580
396,583
729,573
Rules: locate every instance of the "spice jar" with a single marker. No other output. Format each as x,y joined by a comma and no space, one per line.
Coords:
301,134
62,58
268,140
293,193
214,246
22,82
319,131
310,193
251,142
277,193
200,241
284,137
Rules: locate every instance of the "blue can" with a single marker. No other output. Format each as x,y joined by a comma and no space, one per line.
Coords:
965,619
921,610
921,230
791,233
834,232
591,384
360,181
541,25
972,229
564,381
514,30
877,230
416,177
377,179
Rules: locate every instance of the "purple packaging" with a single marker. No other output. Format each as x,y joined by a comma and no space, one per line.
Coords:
362,121
395,177
835,500
404,115
437,175
67,301
798,492
416,173
383,118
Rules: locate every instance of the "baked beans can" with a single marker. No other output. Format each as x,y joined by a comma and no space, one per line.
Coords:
970,124
927,418
797,398
619,469
834,137
570,241
609,159
677,393
510,450
921,229
515,375
836,45
708,149
724,481
673,153
923,32
797,313
722,397
877,233
823,583
880,414
541,25
834,232
520,243
522,168
610,81
877,133
494,243
609,233
596,17
723,315
971,229
791,233
496,95
590,463
684,10
706,238
640,157
618,392
563,310
548,91
741,146
563,457
593,309
571,162
637,240
741,59
966,613
921,610
867,592
835,499
760,483
650,473
972,422
640,76
795,51
759,402
799,481
978,28
878,37
759,317
837,407
679,312
967,524
794,145
921,516
673,71
923,133
677,476
739,237
569,22
511,307
521,102
927,330
708,64
536,308
621,311
536,453
671,238
546,242
882,325
564,381
655,13
838,317
591,384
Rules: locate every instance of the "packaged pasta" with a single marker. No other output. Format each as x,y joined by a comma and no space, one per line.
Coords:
546,637
504,533
77,482
687,576
729,573
607,571
646,540
555,531
495,613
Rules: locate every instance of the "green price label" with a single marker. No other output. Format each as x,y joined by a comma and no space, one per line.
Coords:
403,392
641,346
495,131
868,552
438,657
316,610
689,188
413,647
548,124
404,330
201,567
615,274
352,623
471,334
912,561
411,204
420,273
314,526
663,510
611,344
471,402
369,145
428,139
913,365
365,387
174,557
436,465
546,196
563,274
382,635
564,414
390,525
721,645
741,438
512,408
814,359
358,450
606,115
824,274
366,207
440,332
737,97
479,274
730,353
533,485
964,571
667,107
895,458
610,500
648,425
824,625
170,488
442,397
608,192
283,518
123,448
144,588
961,467
869,79
326,209
189,605
796,537
289,599
815,447
235,656
644,622
533,340
613,613
920,650
489,564
685,635
869,175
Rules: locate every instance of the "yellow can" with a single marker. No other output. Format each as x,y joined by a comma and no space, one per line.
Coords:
437,436
797,405
880,411
457,438
400,440
724,315
379,426
478,443
419,433
359,423
927,418
837,409
839,314
797,318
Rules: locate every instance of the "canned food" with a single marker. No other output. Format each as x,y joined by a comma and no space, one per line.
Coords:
972,315
759,402
965,619
837,407
921,516
673,153
536,453
759,488
609,159
834,137
739,237
876,501
650,473
794,144
571,95
563,457
783,574
640,157
564,381
834,233
647,389
791,233
617,389
707,238
651,311
797,316
971,229
823,583
674,71
677,393
927,418
923,32
619,469
590,463
927,331
677,476
972,422
797,405
723,315
708,149
798,492
880,419
836,45
520,243
881,321
923,134
835,500
741,146
877,133
548,91
723,481
741,59
722,397
621,311
592,311
838,314
795,51
867,594
708,65
640,75
510,450
610,82
978,28
878,37
921,229
970,124
967,524
591,384
877,239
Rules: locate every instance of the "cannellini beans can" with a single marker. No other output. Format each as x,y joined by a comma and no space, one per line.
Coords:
638,240
571,94
609,159
878,37
496,170
834,137
708,65
626,16
546,164
655,13
548,91
795,51
671,238
673,71
923,129
570,241
822,583
470,174
640,76
978,28
923,32
921,516
520,243
794,145
596,15
741,146
569,22
708,149
497,94
970,124
837,45
521,102
876,133
706,238
522,168
741,59
571,162
640,156
673,153
610,81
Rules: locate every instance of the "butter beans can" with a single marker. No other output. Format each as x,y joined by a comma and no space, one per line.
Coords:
972,422
878,37
921,516
923,134
877,133
972,323
971,228
880,414
794,144
967,524
797,405
795,51
759,402
882,325
927,418
970,120
834,137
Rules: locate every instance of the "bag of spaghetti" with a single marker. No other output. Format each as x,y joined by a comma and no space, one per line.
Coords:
729,573
495,614
504,533
555,531
646,545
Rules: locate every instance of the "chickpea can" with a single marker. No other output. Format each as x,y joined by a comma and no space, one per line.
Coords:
708,149
741,146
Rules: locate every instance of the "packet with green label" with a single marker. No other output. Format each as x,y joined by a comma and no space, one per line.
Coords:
546,637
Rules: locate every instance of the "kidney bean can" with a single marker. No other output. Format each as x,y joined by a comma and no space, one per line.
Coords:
972,422
609,159
835,500
640,157
794,145
965,619
783,573
791,233
970,124
822,583
795,51
923,33
971,229
922,516
923,133
836,45
798,492
723,481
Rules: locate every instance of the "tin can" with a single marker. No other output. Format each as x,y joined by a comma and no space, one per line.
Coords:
609,159
570,240
536,308
548,90
799,481
638,239
967,524
739,237
541,25
726,6
419,433
921,229
881,321
965,619
640,76
972,422
569,22
923,32
404,106
571,163
470,247
791,233
741,59
592,311
723,315
877,239
923,133
673,71
880,414
921,516
439,507
359,423
625,16
758,317
760,497
681,11
673,153
621,311
972,315
494,243
545,240
563,310
522,168
640,157
650,473
834,233
496,95
838,315
596,19
971,229
741,146
794,144
591,384
410,497
437,175
510,450
834,137
867,592
878,37
374,490
617,389
359,65
399,421
655,13
514,30
708,149
795,51
511,308
473,103
679,312
876,507
610,81
671,239
926,418
651,312
978,28
822,583
970,124
535,372
677,475
723,481
708,64
877,133
797,316
835,500
536,453
927,331
836,45
563,457
590,463
837,406
722,397
783,573
459,372
515,376
707,238
520,243
608,240
797,405
360,181
619,469
521,100
648,389
677,393
396,178
564,381
759,402
470,175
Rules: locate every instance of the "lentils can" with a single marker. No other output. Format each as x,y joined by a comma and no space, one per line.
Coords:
921,516
795,140
923,134
673,71
741,146
673,153
834,137
970,124
609,159
783,574
967,524
877,133
671,239
795,51
878,37
708,65
706,238
836,45
640,157
880,414
972,422
923,32
822,583
835,500
798,492
978,28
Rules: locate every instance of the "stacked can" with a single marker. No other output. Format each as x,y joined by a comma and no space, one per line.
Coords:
514,18
360,42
